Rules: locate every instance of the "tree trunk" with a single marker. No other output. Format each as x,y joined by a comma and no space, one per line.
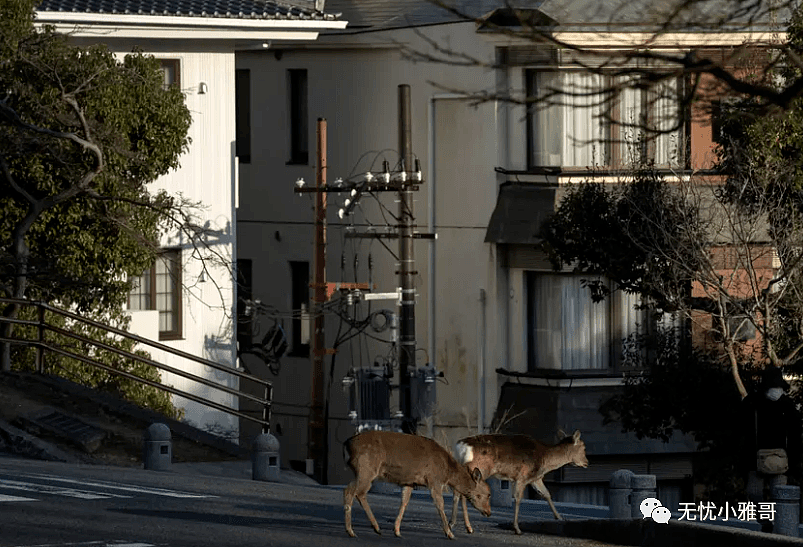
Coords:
737,378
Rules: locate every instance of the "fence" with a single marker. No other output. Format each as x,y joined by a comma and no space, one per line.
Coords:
42,345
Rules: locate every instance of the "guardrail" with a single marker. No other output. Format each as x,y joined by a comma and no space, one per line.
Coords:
42,345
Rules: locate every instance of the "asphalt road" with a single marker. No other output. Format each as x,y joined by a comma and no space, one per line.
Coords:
59,505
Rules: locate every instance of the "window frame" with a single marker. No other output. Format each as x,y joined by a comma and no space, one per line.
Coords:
617,330
298,118
613,140
174,258
175,66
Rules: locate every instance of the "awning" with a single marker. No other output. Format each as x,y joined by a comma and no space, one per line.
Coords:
520,210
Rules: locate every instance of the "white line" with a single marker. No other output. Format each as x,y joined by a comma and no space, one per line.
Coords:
91,543
14,498
57,490
124,487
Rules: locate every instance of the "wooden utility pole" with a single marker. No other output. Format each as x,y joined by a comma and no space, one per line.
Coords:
316,447
407,273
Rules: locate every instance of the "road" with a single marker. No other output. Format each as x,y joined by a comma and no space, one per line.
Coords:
60,505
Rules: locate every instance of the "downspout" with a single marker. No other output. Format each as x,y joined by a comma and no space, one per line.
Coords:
235,204
431,225
481,368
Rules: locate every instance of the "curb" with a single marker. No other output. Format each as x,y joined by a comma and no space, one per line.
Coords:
643,532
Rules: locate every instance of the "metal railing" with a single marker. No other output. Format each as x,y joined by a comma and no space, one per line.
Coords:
42,345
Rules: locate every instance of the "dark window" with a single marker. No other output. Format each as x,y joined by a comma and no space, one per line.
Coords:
299,275
171,72
243,114
159,288
245,286
299,119
725,120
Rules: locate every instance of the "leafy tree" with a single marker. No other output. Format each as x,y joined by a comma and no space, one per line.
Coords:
82,134
686,390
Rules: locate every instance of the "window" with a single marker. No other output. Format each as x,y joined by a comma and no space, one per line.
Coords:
299,122
245,292
159,288
299,277
243,114
578,121
567,331
171,72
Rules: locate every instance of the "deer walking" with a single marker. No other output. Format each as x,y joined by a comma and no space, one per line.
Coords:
519,458
408,460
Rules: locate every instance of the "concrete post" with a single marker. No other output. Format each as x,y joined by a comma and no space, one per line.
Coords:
619,492
501,492
787,510
644,486
265,458
158,448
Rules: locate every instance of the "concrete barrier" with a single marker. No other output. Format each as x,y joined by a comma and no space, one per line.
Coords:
158,448
265,462
787,510
619,491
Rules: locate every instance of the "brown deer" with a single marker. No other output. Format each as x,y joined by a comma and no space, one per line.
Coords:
519,458
408,460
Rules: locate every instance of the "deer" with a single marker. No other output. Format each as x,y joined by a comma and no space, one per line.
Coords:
519,458
408,460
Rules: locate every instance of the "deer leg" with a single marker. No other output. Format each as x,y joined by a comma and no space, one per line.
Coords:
348,499
541,488
360,492
406,492
469,529
520,486
455,502
437,498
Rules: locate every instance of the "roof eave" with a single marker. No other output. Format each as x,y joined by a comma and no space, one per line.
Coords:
169,26
599,39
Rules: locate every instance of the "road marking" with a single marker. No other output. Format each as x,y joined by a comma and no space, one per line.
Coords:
14,498
123,487
57,490
93,544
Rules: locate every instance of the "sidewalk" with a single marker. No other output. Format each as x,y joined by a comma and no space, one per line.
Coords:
239,469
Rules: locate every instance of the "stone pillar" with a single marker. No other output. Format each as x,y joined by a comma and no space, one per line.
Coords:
619,491
787,510
644,486
158,448
501,492
265,458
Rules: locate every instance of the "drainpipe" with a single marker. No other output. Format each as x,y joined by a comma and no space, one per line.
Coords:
481,366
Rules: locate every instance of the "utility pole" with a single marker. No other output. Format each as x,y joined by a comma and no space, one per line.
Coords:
407,273
403,182
316,447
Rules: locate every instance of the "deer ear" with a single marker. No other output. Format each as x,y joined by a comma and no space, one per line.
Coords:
476,474
561,434
576,436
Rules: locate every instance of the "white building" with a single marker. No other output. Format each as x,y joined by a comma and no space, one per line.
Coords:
187,303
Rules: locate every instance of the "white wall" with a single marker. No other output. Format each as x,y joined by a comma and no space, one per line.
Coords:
206,177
